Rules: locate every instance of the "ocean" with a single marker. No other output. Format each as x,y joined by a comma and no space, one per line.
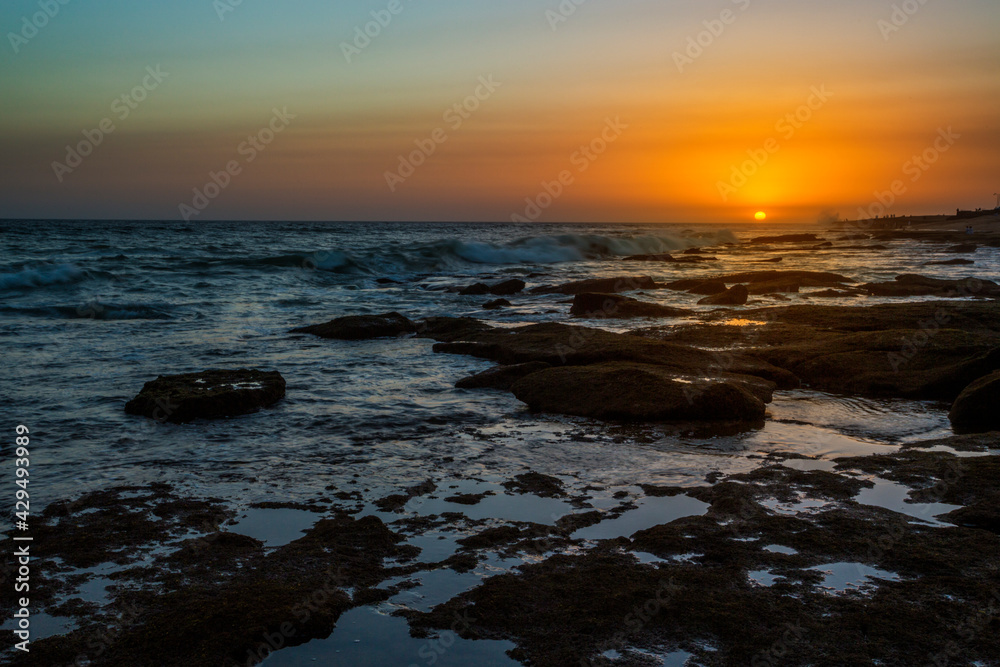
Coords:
89,311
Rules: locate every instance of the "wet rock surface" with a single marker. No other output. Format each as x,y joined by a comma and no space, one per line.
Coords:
213,394
616,306
361,327
977,408
600,285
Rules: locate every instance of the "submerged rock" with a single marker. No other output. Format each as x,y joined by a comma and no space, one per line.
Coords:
210,394
737,295
508,287
642,392
952,262
977,408
478,289
496,304
915,285
601,285
615,306
708,288
502,377
361,327
802,278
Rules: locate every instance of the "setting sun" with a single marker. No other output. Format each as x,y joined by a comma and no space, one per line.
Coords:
760,216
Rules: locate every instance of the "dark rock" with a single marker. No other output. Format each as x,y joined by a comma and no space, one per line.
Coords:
361,327
478,289
802,278
977,408
787,238
502,377
537,484
615,306
695,251
642,392
685,284
737,295
210,394
774,287
387,281
773,260
448,329
952,262
600,285
561,344
496,304
508,287
914,285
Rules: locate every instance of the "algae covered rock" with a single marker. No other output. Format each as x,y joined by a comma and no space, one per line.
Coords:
212,394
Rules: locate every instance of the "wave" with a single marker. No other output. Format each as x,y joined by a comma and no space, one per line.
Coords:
459,254
62,274
94,310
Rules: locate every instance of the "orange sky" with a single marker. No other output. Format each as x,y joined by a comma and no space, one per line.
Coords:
682,130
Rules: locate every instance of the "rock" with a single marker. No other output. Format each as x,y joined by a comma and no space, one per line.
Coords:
502,377
496,304
787,238
695,251
447,329
963,249
708,288
774,287
735,296
562,344
802,278
615,306
639,392
952,262
212,394
983,514
915,285
361,327
600,285
685,284
387,281
977,408
773,260
508,287
479,289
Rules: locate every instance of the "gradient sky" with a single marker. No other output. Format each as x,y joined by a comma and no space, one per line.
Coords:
890,94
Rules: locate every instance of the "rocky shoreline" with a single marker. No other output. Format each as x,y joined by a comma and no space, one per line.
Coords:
750,569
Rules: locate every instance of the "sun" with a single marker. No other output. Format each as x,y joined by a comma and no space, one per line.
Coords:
760,216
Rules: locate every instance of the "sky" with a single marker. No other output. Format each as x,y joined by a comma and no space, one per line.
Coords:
545,110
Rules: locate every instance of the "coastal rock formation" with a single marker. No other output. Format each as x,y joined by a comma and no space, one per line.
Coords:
212,394
977,408
561,344
914,285
708,288
735,296
496,304
508,287
502,377
361,327
479,289
801,278
667,257
615,306
600,285
641,392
